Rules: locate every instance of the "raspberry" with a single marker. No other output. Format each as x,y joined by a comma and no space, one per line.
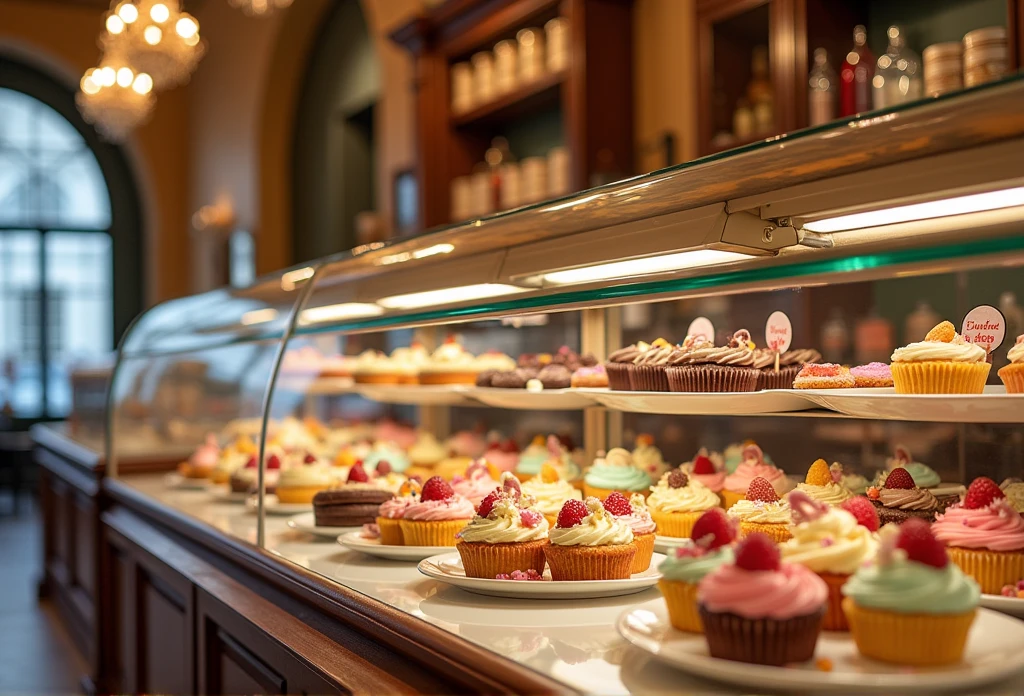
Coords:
487,504
571,514
530,518
703,465
818,474
917,540
761,490
251,464
981,493
677,478
357,474
308,459
899,478
861,508
757,552
436,488
383,468
273,462
509,447
713,529
617,504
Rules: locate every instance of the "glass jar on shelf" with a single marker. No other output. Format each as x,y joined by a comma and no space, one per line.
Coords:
821,95
897,75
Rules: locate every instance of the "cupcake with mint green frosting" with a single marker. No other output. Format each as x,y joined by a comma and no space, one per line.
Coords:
615,472
386,452
912,606
532,458
734,456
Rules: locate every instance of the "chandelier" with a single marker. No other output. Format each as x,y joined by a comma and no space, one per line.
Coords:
155,37
258,8
115,98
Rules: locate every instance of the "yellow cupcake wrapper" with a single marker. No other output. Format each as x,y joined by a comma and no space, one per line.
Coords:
681,598
730,498
298,494
1013,378
917,640
939,377
644,544
602,493
390,531
778,532
991,569
431,532
675,524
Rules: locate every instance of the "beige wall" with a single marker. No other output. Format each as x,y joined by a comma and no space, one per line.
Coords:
61,39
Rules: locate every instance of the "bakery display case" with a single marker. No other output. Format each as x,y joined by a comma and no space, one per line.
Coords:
331,428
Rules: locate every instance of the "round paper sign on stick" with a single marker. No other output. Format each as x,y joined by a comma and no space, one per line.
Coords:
702,327
984,326
778,332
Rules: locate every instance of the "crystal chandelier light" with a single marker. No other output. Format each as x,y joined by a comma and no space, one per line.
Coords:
115,98
156,37
258,8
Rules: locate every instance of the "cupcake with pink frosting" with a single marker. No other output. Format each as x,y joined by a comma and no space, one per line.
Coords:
752,467
874,374
984,535
437,516
476,484
390,513
634,513
708,468
760,610
203,461
502,454
467,444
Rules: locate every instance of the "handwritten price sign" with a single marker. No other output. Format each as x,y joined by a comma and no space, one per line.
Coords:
984,326
778,332
702,326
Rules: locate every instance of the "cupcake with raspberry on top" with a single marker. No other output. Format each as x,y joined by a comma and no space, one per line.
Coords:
588,543
899,499
476,484
708,469
753,466
634,513
763,512
437,517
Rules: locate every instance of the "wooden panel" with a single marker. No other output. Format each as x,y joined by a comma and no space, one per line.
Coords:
84,514
231,668
165,642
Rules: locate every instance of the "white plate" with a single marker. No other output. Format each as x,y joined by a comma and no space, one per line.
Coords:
183,483
226,495
1004,605
447,568
993,406
664,544
722,404
272,506
993,653
306,522
417,394
373,547
545,400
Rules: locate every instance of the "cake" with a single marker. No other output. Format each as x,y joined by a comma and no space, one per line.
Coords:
873,374
984,536
391,511
911,606
353,504
437,516
450,363
685,566
1013,374
615,472
823,376
943,363
550,491
761,511
635,514
832,543
899,499
824,483
648,458
678,504
753,466
505,536
759,609
476,484
588,543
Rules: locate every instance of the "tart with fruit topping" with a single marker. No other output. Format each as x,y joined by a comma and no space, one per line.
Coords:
588,543
943,363
873,374
823,376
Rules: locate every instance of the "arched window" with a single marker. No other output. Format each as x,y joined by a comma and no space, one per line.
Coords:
57,249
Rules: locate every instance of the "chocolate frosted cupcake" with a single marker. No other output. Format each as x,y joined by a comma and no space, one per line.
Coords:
513,379
706,368
555,376
649,367
900,499
620,364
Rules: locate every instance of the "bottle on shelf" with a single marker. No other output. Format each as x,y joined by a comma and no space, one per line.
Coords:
835,337
821,95
855,75
897,74
760,94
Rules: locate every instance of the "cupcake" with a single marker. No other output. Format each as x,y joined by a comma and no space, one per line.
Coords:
532,458
436,517
391,511
649,367
230,461
203,461
494,361
832,543
943,363
823,376
853,482
759,609
899,499
684,567
1013,489
761,511
505,536
595,377
924,476
467,443
678,504
620,366
353,504
703,367
588,543
824,483
1013,374
503,455
476,484
911,606
874,374
425,454
615,472
300,482
555,455
383,477
244,480
708,469
753,466
550,491
408,361
450,363
555,377
635,514
984,536
396,458
374,367
648,459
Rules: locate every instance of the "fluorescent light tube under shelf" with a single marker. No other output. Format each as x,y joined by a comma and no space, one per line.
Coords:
337,312
645,266
463,293
960,205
